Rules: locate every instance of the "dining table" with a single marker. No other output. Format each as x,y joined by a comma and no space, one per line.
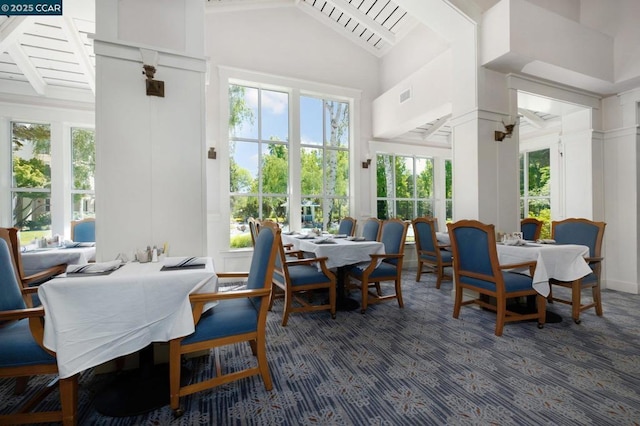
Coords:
92,318
35,260
342,253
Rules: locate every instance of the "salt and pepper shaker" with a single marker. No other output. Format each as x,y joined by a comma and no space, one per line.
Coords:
154,254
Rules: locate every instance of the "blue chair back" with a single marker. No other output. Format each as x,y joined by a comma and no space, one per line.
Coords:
471,244
84,231
263,258
579,231
424,231
530,229
394,232
10,295
347,226
371,229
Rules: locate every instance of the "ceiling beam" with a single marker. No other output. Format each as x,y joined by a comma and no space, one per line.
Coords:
77,47
12,29
363,19
21,59
437,125
532,118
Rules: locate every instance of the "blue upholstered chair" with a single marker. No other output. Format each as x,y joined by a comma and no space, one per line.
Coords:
587,233
383,267
299,279
371,229
429,251
531,228
476,268
83,231
240,316
22,354
347,226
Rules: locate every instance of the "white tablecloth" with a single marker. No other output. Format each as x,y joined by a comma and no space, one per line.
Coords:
38,260
564,262
93,319
342,253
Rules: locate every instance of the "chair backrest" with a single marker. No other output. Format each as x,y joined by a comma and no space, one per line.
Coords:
10,294
475,257
579,231
371,229
531,228
254,228
347,226
424,229
10,236
83,231
264,256
393,235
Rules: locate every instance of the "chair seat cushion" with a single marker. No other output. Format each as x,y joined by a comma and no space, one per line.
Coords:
512,282
383,270
445,255
227,318
19,348
306,274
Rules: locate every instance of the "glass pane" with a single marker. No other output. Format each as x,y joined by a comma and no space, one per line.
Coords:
311,212
243,170
522,183
311,171
425,208
539,207
275,209
424,178
83,158
337,123
243,112
311,120
404,209
449,211
84,206
448,180
384,176
275,116
31,149
337,172
404,177
539,173
275,169
339,209
32,214
242,208
384,210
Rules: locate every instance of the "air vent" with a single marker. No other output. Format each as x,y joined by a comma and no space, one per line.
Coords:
405,96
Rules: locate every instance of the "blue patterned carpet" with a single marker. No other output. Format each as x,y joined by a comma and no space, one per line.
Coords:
419,366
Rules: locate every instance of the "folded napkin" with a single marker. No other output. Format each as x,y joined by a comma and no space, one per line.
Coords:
323,241
356,239
94,268
184,262
71,244
306,236
514,242
340,236
546,241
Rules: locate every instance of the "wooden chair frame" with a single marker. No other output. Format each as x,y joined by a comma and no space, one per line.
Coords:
595,262
503,315
369,283
437,266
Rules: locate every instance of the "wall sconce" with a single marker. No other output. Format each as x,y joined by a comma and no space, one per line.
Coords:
149,63
366,164
211,154
508,131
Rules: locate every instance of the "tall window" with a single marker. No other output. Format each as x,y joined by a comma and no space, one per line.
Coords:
324,154
404,186
448,189
31,178
535,192
83,165
259,158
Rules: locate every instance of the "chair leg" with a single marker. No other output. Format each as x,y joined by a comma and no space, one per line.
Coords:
458,302
501,311
69,400
440,270
364,288
263,364
288,300
21,385
399,292
419,273
174,377
576,289
597,299
541,302
272,295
